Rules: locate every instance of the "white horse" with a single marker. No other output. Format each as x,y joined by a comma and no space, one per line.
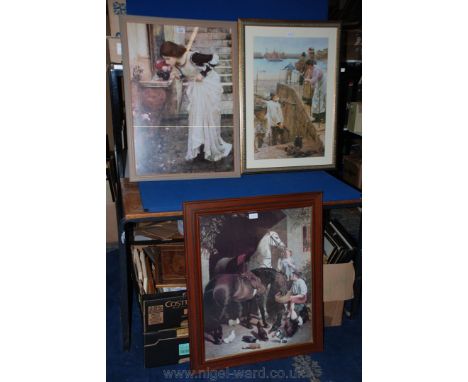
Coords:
262,255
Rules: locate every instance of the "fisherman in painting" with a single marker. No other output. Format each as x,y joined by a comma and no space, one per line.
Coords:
308,89
300,67
289,70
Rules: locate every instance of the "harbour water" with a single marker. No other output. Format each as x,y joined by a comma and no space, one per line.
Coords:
268,73
274,68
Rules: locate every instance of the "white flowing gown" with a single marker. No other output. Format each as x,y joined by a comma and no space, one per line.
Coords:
204,113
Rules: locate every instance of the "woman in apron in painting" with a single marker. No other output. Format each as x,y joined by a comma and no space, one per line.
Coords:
204,92
315,91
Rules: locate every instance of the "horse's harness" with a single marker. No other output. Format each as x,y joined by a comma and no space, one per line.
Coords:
274,242
249,279
277,243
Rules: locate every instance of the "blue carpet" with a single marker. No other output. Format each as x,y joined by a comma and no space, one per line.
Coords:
340,362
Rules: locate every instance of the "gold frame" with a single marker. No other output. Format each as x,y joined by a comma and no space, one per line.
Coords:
134,176
330,144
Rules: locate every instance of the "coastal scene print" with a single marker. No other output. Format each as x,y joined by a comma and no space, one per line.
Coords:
290,81
289,72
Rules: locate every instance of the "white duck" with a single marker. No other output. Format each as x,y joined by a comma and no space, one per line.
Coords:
230,337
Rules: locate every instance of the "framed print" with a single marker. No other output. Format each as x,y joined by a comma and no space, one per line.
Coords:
338,247
181,97
169,261
288,94
255,289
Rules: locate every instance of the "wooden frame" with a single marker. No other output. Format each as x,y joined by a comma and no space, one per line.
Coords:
298,62
171,264
221,235
171,133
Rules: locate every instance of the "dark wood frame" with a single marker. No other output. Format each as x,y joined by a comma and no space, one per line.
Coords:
192,213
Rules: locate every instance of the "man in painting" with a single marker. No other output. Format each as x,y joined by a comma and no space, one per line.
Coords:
298,298
289,69
308,90
300,67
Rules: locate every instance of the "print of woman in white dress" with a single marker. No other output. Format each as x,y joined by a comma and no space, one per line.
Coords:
204,92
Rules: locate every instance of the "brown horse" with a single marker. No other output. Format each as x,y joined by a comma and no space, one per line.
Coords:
276,284
224,290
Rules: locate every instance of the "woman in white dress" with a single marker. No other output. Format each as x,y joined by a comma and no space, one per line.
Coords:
204,92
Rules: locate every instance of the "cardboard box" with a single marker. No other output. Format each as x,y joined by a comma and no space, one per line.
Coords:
115,8
338,280
166,347
352,172
164,311
333,313
165,321
114,48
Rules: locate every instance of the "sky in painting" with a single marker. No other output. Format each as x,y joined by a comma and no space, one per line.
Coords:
293,45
